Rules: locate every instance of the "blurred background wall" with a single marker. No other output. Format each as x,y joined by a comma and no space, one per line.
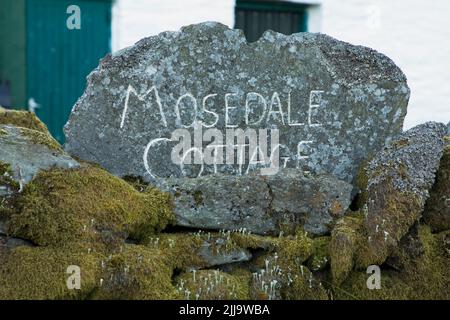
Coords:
413,33
43,64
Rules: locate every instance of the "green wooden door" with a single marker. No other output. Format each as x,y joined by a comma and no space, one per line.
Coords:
59,59
256,16
12,53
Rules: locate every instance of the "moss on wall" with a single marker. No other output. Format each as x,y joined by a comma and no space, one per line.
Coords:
24,119
437,208
213,285
63,206
423,277
114,230
136,272
6,177
41,273
345,241
38,137
320,257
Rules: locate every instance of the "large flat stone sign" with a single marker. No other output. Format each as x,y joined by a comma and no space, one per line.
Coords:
193,102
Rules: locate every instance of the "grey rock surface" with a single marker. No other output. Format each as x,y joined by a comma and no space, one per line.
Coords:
333,103
12,243
26,157
399,179
3,226
222,257
261,204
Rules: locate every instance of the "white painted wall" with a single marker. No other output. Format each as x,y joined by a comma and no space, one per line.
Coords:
413,33
137,19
